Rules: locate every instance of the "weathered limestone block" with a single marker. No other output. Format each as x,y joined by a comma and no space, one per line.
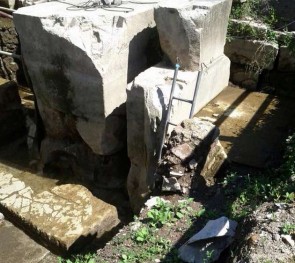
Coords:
286,60
193,31
12,120
243,76
62,216
79,62
254,53
147,101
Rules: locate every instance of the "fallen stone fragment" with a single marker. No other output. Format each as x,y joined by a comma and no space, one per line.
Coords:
1,217
183,151
134,226
175,174
153,201
62,216
276,237
193,164
170,185
288,239
212,239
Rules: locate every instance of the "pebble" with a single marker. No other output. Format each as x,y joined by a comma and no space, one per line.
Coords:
276,237
193,164
176,174
150,203
170,185
184,190
134,226
288,239
1,217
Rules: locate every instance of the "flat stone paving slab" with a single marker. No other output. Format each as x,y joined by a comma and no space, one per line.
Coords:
252,125
16,246
61,216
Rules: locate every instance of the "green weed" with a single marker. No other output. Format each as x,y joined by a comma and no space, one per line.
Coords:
288,228
88,258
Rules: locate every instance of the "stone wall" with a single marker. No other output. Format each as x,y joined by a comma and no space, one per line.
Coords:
257,62
9,43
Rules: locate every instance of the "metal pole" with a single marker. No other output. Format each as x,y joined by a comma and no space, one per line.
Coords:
196,93
9,54
168,112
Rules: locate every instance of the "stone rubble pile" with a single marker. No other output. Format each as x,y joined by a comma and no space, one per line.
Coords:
192,150
250,57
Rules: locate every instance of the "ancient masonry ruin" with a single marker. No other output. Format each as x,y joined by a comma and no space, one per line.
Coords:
80,63
102,79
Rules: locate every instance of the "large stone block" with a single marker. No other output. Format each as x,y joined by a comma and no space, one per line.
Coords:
79,63
147,101
254,53
243,76
193,31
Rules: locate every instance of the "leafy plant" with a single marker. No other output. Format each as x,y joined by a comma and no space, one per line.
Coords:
272,185
209,256
164,213
88,258
160,214
200,213
288,228
142,234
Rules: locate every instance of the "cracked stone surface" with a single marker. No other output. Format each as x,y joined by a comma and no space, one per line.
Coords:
61,216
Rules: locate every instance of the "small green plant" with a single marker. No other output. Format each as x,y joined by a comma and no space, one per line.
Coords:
200,213
88,258
128,257
165,213
272,185
160,214
288,228
288,40
209,256
142,234
289,197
